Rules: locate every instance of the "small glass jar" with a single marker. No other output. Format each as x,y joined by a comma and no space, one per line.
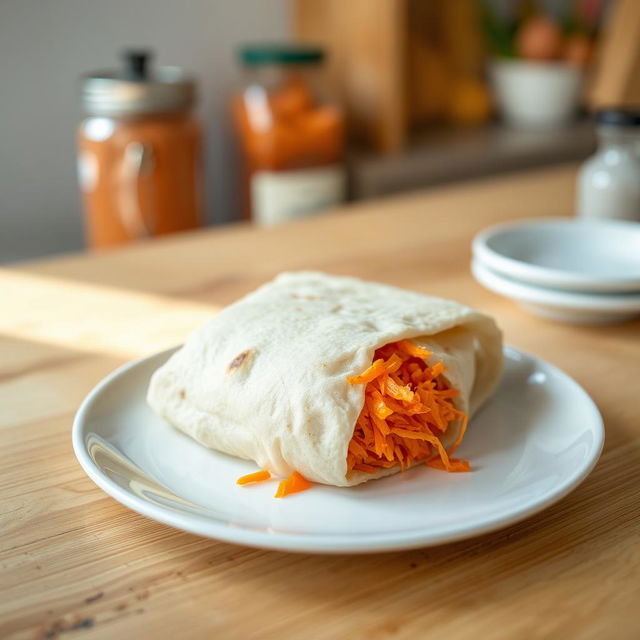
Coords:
609,181
291,136
139,153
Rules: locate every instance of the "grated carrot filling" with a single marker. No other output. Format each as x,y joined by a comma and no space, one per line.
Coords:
408,406
257,476
293,484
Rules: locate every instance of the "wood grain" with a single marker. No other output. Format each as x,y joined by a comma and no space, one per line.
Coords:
366,42
616,81
76,564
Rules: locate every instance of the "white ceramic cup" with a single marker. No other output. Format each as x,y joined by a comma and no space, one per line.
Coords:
536,95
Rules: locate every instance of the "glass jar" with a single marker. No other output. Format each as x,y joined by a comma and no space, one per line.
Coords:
139,153
609,181
290,135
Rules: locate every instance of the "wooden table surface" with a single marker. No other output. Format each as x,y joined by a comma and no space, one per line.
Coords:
76,564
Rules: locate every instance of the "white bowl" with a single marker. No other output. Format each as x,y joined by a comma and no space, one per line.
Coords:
536,95
564,253
564,306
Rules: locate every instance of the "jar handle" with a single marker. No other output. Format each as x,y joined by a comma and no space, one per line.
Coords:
138,161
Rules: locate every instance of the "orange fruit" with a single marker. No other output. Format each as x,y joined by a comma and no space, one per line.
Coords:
539,38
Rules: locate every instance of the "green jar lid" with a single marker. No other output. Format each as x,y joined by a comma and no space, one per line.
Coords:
280,53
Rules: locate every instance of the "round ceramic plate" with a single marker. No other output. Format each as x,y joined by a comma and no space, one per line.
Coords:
530,445
601,256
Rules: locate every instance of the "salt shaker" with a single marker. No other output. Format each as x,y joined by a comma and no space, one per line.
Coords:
609,181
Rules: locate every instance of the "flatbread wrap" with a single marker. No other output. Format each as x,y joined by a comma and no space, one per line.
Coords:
335,378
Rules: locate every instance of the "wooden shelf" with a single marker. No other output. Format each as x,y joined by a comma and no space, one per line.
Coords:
439,156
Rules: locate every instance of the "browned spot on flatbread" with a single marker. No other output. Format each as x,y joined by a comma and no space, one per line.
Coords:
241,359
182,394
297,296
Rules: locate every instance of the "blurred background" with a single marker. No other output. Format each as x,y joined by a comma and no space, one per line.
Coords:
123,120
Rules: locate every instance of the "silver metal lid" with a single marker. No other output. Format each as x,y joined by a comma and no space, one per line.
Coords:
134,90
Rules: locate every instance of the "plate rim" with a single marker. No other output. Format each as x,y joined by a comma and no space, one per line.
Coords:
322,543
532,274
616,303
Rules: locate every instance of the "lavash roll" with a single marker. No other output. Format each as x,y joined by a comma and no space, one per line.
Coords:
266,378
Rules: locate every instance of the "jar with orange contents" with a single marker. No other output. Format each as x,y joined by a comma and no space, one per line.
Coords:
139,153
290,134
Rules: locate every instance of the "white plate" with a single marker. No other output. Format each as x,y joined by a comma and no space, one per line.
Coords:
534,442
572,254
564,306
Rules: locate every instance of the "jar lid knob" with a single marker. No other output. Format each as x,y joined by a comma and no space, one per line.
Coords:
136,63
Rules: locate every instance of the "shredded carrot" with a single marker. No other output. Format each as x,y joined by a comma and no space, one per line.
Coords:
258,476
408,406
376,369
293,484
412,349
455,465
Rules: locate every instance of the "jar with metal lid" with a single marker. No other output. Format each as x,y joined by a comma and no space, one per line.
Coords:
609,181
290,133
139,153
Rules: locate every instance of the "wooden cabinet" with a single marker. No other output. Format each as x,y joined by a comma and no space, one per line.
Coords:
366,44
396,64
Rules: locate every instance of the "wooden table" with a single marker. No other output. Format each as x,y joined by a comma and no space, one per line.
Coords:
77,564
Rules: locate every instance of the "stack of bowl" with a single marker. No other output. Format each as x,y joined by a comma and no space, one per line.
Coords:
571,270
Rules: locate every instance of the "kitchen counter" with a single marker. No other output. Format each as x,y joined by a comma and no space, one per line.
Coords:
77,564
